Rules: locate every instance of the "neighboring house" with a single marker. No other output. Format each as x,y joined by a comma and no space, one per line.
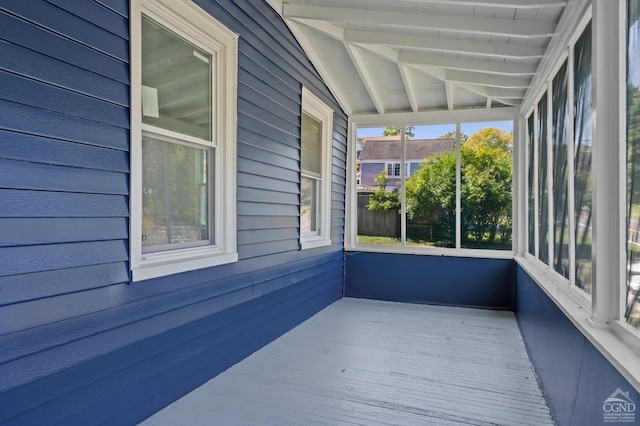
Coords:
385,153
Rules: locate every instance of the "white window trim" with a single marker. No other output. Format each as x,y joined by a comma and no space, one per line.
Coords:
403,120
317,109
187,19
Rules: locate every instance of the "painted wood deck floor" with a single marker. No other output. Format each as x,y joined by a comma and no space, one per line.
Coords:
363,362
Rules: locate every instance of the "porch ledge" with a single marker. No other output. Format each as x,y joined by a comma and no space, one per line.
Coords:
575,307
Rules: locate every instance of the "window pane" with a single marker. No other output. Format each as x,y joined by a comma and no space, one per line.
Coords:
308,205
311,145
543,190
175,204
531,214
560,179
486,181
431,189
582,158
378,198
632,311
176,82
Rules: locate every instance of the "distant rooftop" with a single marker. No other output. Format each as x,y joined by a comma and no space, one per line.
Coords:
389,148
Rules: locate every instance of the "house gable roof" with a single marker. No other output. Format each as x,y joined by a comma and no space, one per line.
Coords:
386,148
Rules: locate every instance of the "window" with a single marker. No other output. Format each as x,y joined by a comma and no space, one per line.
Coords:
315,171
183,140
632,293
452,196
543,194
393,169
582,147
560,232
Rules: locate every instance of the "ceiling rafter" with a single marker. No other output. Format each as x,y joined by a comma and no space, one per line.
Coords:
488,79
519,4
441,44
323,67
418,55
449,95
497,93
467,64
356,58
461,24
409,87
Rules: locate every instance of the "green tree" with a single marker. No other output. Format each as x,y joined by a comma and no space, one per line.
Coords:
395,131
382,199
491,137
487,183
485,188
452,135
431,192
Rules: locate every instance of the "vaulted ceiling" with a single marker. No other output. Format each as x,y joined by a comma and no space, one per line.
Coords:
383,56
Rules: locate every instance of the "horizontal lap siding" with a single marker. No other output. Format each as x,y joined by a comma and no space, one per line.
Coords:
64,141
78,344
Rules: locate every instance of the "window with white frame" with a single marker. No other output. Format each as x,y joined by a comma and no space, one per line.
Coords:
560,231
393,168
631,296
457,196
315,171
184,71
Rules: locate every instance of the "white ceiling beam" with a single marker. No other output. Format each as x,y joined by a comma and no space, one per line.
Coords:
463,24
323,27
441,44
363,71
518,4
449,95
497,93
407,80
323,67
467,64
382,51
488,79
434,117
489,98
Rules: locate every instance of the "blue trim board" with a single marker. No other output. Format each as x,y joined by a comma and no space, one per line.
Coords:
575,377
455,281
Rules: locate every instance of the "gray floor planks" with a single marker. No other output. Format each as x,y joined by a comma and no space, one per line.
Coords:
364,362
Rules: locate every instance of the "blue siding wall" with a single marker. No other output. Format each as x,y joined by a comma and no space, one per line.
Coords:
455,281
78,343
575,377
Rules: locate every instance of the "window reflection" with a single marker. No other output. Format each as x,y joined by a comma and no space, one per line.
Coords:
543,192
560,182
531,194
582,158
632,311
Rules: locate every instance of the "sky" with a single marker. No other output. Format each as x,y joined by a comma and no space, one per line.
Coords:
435,131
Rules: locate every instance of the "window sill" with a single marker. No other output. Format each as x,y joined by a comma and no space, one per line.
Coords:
161,264
433,251
309,244
570,301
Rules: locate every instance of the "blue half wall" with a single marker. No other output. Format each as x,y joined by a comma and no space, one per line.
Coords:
575,377
455,281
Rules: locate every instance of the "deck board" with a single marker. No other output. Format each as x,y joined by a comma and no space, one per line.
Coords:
364,362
